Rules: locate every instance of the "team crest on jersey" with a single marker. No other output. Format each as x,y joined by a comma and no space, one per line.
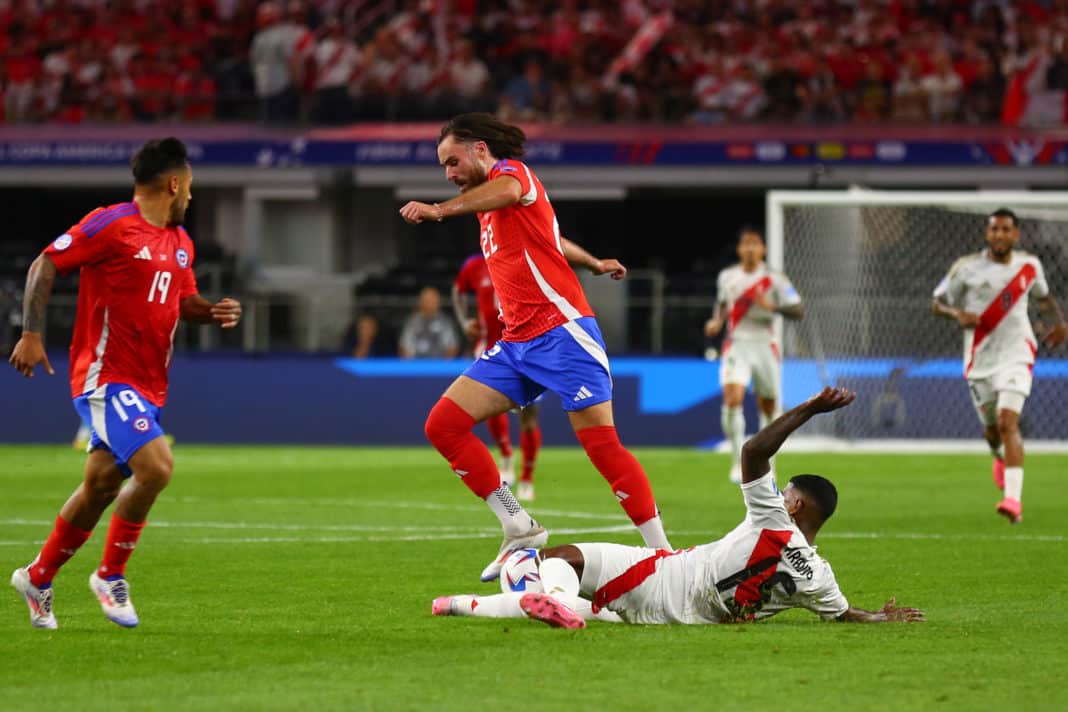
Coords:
183,258
142,425
63,241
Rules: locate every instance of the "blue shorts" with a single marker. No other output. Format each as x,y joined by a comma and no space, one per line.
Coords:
120,420
569,360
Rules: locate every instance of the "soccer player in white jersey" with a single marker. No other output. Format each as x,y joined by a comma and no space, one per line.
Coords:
748,297
986,293
767,564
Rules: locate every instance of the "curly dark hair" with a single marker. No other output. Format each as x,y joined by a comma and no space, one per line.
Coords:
503,140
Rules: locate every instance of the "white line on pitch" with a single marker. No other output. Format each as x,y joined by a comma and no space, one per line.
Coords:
919,536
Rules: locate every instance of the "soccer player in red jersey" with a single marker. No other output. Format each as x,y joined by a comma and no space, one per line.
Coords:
136,266
551,340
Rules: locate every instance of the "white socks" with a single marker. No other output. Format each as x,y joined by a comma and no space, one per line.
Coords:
1014,482
733,421
514,519
652,532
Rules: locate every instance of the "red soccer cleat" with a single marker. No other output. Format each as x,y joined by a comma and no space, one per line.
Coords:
545,608
999,473
1011,509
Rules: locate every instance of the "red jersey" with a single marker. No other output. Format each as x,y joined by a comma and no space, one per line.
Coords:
474,277
133,277
536,287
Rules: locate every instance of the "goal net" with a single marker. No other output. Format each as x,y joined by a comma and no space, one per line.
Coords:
865,264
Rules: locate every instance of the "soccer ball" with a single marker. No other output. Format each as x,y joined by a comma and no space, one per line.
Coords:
519,574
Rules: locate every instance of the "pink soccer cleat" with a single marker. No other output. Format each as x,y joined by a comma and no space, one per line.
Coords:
999,473
1011,509
545,608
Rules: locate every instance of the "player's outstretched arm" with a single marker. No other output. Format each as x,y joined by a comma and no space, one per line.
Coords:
495,194
889,613
1056,334
198,310
579,257
759,449
30,351
967,320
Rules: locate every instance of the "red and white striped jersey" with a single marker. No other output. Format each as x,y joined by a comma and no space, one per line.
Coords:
998,293
535,285
737,289
133,277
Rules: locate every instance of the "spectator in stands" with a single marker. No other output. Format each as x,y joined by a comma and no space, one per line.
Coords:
277,54
982,102
336,62
782,87
910,97
943,89
428,333
528,93
361,339
470,77
873,94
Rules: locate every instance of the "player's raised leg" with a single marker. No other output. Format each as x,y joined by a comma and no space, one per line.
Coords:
529,444
75,522
448,428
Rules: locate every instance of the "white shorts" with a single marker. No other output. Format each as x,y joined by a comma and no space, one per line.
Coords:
642,585
1005,390
756,361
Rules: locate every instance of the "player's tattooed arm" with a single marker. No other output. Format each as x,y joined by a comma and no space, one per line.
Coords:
198,310
759,449
30,351
579,257
889,613
1056,333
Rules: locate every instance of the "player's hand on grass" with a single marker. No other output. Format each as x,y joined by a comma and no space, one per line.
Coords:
29,352
901,614
831,399
415,212
227,312
967,320
613,268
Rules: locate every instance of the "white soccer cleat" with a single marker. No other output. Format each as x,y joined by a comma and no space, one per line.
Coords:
114,597
39,600
533,538
736,474
525,491
507,470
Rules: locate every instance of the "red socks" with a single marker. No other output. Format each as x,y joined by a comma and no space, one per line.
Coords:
120,545
499,428
448,428
529,443
622,470
62,544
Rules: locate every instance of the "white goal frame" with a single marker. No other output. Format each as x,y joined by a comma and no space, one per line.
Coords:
777,200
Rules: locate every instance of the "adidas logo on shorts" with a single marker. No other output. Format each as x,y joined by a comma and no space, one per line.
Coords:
583,394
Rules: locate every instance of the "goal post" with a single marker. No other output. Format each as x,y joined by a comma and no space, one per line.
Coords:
865,263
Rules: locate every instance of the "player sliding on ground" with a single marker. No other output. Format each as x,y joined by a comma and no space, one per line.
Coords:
551,340
137,281
986,293
766,565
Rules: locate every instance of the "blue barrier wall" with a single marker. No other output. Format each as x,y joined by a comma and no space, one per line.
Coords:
295,399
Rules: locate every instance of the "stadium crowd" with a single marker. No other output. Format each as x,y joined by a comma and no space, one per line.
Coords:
701,61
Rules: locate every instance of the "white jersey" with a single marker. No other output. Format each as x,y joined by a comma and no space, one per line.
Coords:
737,288
998,293
764,566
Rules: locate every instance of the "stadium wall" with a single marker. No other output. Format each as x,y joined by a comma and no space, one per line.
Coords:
658,402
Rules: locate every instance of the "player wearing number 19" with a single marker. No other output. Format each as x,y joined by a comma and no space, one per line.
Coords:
136,266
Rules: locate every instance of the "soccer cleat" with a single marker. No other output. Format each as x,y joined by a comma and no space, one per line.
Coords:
442,606
736,474
39,600
533,538
525,491
1011,509
507,470
114,597
999,473
545,608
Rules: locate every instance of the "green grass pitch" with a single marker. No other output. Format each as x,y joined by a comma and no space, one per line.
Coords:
301,578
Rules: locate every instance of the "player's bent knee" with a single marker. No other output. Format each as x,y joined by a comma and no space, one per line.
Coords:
1007,423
